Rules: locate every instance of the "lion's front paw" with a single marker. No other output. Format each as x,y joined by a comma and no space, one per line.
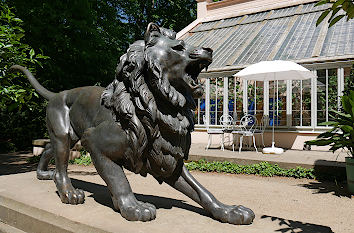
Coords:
68,194
134,210
72,196
237,215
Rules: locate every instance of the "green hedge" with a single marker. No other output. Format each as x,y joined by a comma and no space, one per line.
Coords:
262,169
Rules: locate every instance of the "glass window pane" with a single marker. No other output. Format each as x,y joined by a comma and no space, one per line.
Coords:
216,100
332,92
281,103
321,96
306,102
250,95
235,99
259,100
349,78
279,99
296,102
200,111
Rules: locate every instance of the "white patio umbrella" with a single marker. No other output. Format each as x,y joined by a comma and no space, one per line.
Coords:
272,71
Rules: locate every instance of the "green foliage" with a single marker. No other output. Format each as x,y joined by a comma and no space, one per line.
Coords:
167,13
341,135
34,159
262,169
85,38
349,82
346,5
20,118
37,158
83,160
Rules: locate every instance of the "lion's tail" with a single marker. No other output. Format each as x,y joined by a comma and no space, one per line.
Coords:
38,87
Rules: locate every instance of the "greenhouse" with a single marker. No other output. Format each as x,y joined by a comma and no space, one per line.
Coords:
240,34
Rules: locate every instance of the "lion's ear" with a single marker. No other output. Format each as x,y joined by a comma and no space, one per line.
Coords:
152,28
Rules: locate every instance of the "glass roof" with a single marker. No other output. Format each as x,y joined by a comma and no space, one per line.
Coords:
281,34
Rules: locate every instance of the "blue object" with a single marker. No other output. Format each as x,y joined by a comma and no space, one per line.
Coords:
277,118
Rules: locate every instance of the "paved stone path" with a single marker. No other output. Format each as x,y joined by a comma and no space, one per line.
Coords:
280,204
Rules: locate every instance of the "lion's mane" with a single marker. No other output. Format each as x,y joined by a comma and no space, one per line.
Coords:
133,105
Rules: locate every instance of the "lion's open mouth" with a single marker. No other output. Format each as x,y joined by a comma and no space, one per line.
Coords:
191,75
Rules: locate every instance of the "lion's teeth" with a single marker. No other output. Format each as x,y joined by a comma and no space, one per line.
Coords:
170,94
174,98
179,116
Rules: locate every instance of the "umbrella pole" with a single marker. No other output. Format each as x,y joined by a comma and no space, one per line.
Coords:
273,149
273,143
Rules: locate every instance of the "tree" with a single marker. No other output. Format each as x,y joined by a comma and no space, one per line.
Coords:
336,6
167,13
85,38
18,99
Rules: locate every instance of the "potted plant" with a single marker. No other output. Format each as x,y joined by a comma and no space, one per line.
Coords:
341,135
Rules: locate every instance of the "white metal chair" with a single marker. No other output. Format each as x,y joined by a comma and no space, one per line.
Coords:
261,127
246,129
227,124
214,131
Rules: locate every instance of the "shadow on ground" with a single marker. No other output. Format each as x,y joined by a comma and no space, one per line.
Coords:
330,170
101,195
330,179
337,189
14,163
287,225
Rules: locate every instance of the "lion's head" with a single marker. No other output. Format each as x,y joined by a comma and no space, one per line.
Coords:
152,97
164,70
173,63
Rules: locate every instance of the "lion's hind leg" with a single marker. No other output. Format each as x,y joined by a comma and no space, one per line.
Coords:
58,125
47,155
42,169
112,173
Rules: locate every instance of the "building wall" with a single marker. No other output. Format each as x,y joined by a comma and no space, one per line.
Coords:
209,10
288,140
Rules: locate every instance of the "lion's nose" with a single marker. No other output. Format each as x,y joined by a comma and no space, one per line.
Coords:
207,54
209,50
202,54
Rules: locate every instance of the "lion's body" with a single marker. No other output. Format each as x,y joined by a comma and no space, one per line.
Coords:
83,111
142,121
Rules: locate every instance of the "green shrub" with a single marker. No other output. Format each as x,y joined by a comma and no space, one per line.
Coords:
341,133
83,160
262,169
21,111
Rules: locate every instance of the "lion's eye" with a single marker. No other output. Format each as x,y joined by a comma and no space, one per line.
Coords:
178,47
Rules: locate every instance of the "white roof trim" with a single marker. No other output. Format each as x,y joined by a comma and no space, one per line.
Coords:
188,28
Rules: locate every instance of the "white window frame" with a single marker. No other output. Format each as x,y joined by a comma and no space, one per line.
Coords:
313,127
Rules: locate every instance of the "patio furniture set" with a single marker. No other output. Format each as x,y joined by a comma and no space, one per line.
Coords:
247,127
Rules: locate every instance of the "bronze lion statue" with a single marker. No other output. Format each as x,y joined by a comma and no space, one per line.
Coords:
142,121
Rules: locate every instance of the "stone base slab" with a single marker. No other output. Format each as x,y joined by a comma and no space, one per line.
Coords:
280,205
